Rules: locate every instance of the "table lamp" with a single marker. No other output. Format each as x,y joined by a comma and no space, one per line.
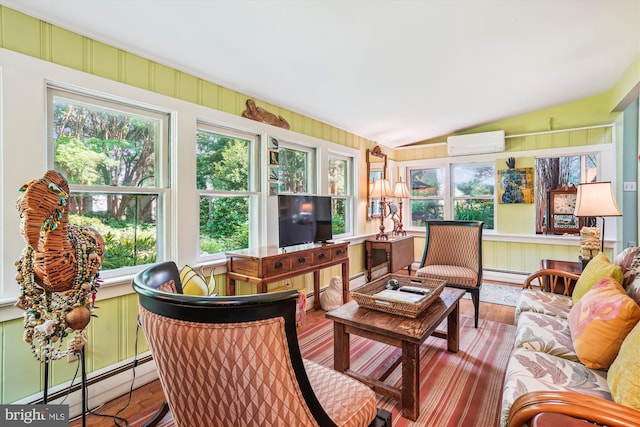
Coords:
401,192
595,199
381,190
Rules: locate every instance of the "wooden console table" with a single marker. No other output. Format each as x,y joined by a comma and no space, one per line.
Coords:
268,264
397,252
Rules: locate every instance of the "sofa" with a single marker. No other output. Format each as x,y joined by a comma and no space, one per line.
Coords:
577,346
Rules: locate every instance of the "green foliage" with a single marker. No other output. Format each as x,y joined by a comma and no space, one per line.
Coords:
475,210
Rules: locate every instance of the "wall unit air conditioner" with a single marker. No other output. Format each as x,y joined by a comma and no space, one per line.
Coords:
476,143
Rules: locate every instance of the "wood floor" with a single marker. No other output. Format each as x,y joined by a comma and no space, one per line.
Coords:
149,397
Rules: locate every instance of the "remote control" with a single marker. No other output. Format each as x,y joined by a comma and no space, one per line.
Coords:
414,290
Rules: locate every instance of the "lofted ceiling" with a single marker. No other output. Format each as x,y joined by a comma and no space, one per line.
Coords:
395,72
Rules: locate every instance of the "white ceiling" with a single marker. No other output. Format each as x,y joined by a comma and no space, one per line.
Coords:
395,72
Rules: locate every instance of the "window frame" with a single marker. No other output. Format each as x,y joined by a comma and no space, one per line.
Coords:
348,195
454,198
162,167
312,177
253,191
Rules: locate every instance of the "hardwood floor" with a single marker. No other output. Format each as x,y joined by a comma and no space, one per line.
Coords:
148,398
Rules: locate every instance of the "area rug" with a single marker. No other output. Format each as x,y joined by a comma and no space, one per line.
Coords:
461,389
498,294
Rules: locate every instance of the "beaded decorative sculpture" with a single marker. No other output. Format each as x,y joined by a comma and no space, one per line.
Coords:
58,269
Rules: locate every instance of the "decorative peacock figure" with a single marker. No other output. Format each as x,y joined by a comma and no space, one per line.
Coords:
58,269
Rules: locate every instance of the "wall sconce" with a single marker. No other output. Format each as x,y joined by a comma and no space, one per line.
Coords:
596,199
381,190
401,192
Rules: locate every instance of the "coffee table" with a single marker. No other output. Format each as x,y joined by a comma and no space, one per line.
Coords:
403,332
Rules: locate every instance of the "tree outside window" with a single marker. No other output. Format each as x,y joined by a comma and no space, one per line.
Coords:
555,172
223,183
341,198
473,193
427,195
112,157
294,170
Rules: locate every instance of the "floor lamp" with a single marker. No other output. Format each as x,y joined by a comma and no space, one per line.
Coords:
595,199
381,190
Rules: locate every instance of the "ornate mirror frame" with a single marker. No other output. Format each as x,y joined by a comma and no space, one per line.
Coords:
375,169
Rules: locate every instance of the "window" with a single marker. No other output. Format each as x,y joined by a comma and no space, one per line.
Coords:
295,169
114,158
226,188
554,172
473,189
427,189
341,193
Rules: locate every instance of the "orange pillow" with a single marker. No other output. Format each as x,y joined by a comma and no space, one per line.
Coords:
600,321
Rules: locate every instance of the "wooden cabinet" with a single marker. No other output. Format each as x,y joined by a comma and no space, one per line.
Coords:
268,264
397,252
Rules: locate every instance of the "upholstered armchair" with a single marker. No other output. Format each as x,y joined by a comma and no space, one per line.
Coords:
453,252
236,361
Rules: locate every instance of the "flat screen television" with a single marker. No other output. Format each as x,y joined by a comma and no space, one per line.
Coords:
303,219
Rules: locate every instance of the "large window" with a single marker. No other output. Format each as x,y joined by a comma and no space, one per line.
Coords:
427,189
114,157
226,188
473,189
341,192
555,172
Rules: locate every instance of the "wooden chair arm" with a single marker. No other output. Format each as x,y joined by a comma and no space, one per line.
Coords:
551,278
589,408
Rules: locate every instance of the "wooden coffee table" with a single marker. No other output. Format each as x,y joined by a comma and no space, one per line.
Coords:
403,332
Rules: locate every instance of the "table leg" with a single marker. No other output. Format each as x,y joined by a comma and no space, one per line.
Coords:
341,348
231,286
453,329
410,398
316,290
345,281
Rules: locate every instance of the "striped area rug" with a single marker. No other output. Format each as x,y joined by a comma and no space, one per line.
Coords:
461,389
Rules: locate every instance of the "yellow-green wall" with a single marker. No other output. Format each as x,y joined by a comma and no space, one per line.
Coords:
111,336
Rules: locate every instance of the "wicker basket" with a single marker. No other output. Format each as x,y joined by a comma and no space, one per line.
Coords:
364,295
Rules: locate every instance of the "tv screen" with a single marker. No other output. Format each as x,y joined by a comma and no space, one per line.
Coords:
303,219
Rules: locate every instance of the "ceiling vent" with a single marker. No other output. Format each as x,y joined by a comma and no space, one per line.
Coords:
476,143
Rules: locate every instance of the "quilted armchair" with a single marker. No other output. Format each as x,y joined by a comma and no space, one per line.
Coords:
453,252
236,361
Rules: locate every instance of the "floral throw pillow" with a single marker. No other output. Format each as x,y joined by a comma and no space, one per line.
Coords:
600,321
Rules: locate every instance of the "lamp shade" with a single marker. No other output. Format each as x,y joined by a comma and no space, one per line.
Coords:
381,189
401,191
596,199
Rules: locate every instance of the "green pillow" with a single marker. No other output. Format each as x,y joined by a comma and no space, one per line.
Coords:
598,268
623,377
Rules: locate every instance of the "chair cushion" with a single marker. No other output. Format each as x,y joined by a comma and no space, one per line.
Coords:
549,334
543,302
452,274
348,402
596,269
624,375
600,321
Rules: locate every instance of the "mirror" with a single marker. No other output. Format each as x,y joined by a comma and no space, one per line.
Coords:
376,169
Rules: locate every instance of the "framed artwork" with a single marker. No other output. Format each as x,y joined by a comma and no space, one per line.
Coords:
273,157
273,143
273,188
562,203
515,186
273,173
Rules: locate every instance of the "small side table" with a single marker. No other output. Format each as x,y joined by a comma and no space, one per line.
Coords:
397,252
568,266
